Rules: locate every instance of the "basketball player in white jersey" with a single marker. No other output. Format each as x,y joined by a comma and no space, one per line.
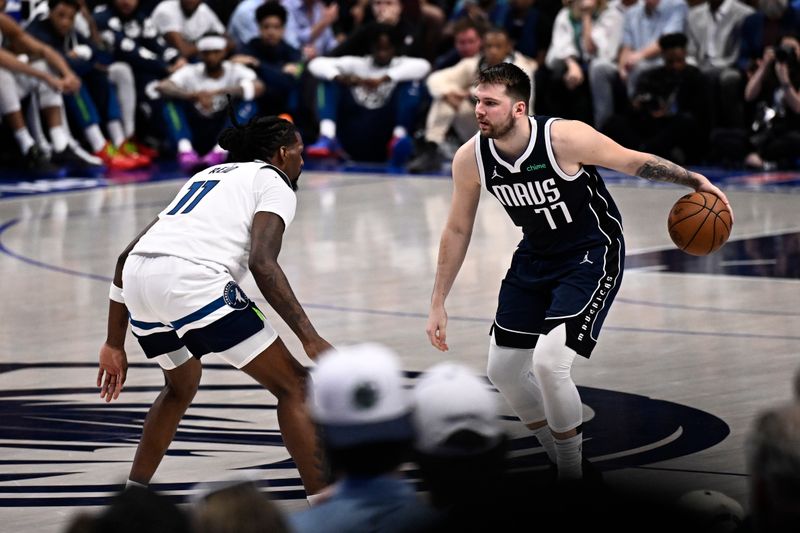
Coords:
568,266
178,282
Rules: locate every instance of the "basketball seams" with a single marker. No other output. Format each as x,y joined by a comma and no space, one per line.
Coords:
694,225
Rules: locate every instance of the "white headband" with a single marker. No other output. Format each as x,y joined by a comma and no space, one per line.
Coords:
211,43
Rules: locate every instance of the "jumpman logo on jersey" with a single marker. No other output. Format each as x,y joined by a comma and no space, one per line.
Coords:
496,174
586,259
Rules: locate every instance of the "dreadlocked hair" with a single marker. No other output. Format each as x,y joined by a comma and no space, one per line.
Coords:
260,138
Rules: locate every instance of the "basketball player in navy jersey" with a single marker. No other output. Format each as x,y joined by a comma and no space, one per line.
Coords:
567,268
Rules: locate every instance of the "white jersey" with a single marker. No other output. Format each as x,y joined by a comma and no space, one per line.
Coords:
210,219
169,17
193,78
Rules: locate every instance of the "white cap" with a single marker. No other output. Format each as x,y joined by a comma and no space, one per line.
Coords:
449,398
357,396
715,511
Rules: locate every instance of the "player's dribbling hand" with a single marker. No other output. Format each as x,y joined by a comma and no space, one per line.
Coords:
112,372
437,328
707,186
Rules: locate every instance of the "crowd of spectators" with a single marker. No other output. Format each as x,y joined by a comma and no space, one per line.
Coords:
120,83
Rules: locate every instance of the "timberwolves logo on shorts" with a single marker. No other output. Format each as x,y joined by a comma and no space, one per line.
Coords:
61,446
234,296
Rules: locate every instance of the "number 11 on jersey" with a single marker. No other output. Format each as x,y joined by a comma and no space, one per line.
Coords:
203,186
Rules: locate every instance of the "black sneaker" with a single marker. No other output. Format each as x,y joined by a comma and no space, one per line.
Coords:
68,157
428,160
36,161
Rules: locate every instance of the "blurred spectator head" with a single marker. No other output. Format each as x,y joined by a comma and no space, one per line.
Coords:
497,46
454,412
189,6
673,50
62,15
126,7
212,48
384,44
468,37
138,509
387,11
363,411
710,511
773,9
788,50
237,506
773,455
271,18
460,444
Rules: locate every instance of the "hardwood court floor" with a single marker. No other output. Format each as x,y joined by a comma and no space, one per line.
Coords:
691,351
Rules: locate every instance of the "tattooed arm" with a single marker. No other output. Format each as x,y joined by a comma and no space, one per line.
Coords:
575,143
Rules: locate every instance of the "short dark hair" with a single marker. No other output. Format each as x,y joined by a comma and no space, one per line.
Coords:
272,8
668,41
465,23
516,82
72,3
260,138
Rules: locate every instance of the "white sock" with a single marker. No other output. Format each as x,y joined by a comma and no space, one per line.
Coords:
131,483
184,145
24,140
95,137
399,131
568,457
547,441
116,132
327,128
59,138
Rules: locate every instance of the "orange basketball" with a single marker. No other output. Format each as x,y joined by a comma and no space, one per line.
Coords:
699,223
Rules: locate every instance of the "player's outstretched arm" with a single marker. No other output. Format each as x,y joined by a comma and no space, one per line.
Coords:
266,240
113,362
575,143
455,239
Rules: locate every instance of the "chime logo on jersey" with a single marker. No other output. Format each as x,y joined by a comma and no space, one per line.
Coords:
60,436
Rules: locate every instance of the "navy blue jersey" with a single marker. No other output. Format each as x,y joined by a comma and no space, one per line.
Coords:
558,213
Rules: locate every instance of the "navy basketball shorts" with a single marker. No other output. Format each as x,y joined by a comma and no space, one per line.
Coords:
575,289
179,309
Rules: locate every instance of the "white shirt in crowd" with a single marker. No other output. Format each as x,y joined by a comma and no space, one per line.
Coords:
193,78
168,17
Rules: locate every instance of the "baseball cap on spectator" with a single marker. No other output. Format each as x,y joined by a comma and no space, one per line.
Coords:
357,397
450,401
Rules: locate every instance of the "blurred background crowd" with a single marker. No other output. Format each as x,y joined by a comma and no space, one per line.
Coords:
125,83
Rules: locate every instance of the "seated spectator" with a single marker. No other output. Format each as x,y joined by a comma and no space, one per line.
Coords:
775,89
183,22
237,507
644,23
242,26
21,78
364,413
130,36
409,35
276,62
669,115
375,93
773,464
202,88
452,106
96,99
309,26
139,509
762,29
467,42
714,29
527,28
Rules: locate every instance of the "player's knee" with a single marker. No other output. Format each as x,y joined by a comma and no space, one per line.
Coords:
553,360
182,383
506,365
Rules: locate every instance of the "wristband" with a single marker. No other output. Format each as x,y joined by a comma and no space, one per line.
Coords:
115,293
248,89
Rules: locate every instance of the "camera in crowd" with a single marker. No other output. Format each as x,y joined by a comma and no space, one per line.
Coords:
785,54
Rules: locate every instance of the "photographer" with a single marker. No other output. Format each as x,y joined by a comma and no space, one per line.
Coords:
670,105
774,89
